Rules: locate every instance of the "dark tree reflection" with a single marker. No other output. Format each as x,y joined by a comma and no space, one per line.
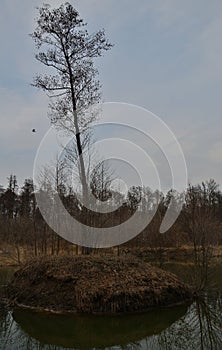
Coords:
199,328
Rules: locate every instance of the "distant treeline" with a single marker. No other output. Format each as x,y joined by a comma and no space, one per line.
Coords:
199,223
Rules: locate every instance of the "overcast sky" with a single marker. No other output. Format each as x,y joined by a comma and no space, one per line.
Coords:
167,58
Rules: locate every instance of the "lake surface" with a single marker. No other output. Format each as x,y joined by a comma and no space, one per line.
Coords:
195,326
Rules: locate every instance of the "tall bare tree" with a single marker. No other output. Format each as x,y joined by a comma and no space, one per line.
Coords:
65,46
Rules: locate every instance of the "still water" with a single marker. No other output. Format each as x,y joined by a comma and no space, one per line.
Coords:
195,326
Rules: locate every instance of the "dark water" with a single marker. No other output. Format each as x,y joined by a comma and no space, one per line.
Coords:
196,326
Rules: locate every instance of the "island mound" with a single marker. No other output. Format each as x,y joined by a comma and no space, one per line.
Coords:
95,284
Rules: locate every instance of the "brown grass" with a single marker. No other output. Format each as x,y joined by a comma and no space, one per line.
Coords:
93,284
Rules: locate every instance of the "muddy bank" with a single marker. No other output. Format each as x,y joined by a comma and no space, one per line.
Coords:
92,284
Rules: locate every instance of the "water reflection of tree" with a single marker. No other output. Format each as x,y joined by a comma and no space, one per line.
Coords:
199,329
8,329
12,338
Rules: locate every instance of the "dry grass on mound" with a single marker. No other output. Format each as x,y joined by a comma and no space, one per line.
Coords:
94,284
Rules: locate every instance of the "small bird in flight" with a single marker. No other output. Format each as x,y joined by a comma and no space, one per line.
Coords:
33,130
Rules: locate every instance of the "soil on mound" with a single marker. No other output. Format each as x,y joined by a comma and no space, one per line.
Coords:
92,284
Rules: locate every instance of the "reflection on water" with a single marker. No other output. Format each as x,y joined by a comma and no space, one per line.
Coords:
197,326
30,329
87,332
